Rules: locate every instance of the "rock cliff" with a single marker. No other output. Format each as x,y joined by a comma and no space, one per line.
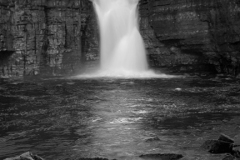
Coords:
54,37
192,35
41,36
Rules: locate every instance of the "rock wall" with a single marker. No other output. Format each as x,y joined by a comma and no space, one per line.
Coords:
53,37
192,35
41,36
91,43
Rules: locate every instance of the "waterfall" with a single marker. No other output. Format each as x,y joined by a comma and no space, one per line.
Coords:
122,47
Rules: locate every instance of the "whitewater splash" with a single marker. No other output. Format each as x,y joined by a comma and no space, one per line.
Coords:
122,48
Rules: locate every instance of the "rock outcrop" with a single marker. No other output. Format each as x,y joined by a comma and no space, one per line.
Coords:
31,156
166,156
26,156
224,144
192,35
55,37
42,36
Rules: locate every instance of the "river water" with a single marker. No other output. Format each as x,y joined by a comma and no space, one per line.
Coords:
116,118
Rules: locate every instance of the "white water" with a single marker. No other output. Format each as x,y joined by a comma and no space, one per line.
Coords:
122,48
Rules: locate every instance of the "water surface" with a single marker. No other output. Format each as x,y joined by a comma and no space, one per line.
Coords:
116,118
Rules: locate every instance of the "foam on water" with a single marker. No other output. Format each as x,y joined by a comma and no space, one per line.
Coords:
125,74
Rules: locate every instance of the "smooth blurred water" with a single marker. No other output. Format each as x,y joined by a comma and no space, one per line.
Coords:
116,118
122,47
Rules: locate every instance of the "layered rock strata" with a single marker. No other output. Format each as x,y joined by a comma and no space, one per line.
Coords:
192,35
41,36
54,37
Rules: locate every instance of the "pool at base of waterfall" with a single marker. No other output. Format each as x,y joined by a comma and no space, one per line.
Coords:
116,118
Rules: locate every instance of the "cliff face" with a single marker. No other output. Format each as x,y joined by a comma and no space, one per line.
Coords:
41,36
192,35
57,36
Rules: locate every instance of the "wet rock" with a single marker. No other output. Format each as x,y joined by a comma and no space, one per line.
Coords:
235,153
167,156
190,48
217,146
35,37
229,157
26,156
94,159
224,144
152,139
225,138
236,145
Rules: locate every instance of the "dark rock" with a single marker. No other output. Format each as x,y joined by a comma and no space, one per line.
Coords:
93,159
42,37
225,138
217,146
235,153
152,139
229,157
26,156
167,156
57,36
98,158
236,145
192,35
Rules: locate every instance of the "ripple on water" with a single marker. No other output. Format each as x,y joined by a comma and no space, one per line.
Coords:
140,112
125,120
115,118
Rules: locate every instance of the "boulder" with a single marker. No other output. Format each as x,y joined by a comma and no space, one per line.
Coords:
217,146
152,139
26,156
236,153
224,144
229,157
93,158
225,138
166,156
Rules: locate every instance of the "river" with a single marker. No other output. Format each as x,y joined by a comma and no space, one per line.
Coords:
59,118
